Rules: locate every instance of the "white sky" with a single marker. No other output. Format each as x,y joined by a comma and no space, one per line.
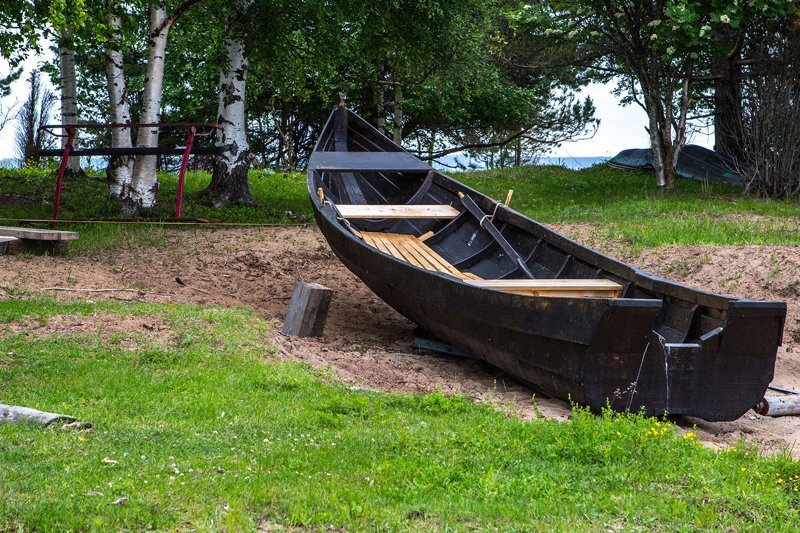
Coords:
620,127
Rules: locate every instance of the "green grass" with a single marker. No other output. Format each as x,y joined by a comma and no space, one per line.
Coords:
210,432
631,208
627,205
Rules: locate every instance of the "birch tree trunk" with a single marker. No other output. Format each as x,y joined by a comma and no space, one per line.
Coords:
69,98
229,180
120,168
144,182
397,115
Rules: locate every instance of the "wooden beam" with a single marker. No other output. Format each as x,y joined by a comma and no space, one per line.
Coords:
340,161
601,288
398,211
308,310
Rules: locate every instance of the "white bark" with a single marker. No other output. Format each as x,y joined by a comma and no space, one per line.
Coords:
229,181
120,168
69,97
144,182
232,83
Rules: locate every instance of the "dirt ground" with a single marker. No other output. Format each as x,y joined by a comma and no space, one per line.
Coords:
366,343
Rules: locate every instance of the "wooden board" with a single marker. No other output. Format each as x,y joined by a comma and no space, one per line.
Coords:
412,250
308,310
367,162
601,288
398,211
38,234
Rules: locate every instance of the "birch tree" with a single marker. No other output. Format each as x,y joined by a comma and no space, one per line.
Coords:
229,180
120,168
141,193
69,92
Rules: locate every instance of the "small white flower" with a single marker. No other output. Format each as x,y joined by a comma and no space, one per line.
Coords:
654,23
653,37
670,50
725,19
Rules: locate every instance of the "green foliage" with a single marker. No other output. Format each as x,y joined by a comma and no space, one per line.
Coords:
205,431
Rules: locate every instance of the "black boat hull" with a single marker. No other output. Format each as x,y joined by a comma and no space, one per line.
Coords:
661,348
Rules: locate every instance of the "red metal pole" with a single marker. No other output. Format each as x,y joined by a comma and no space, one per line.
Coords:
182,174
61,169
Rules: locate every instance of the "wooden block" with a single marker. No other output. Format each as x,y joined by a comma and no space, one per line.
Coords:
435,211
308,310
4,244
38,247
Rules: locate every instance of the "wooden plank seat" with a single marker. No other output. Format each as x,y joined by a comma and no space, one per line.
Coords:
32,240
367,162
435,211
412,250
598,288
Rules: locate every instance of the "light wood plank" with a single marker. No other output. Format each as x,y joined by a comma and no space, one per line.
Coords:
603,288
38,234
434,211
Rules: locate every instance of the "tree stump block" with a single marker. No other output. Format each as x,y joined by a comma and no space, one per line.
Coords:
308,310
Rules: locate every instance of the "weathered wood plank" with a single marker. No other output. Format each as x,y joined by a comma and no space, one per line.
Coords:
398,211
341,161
38,234
308,309
13,414
553,287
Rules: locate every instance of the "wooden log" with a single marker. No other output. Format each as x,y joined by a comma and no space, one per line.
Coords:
308,309
23,415
779,405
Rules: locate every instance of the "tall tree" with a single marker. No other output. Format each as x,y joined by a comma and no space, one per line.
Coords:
229,179
35,112
656,49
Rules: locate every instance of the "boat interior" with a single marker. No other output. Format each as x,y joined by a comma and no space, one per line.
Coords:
402,207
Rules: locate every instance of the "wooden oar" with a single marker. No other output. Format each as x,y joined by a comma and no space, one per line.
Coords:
486,223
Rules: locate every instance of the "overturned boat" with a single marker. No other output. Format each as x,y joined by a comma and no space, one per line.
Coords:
570,321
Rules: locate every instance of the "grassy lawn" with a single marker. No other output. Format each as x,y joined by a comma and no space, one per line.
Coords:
626,204
205,429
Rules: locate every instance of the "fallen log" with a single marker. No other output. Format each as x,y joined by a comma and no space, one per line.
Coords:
779,405
23,415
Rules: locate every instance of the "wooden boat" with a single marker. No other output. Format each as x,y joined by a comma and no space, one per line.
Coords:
572,322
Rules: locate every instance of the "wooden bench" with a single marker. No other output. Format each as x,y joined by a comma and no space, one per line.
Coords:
412,250
398,211
598,288
41,241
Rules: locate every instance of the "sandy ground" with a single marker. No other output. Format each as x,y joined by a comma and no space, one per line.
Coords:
366,342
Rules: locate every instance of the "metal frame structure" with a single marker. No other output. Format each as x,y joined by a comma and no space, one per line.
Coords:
193,129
